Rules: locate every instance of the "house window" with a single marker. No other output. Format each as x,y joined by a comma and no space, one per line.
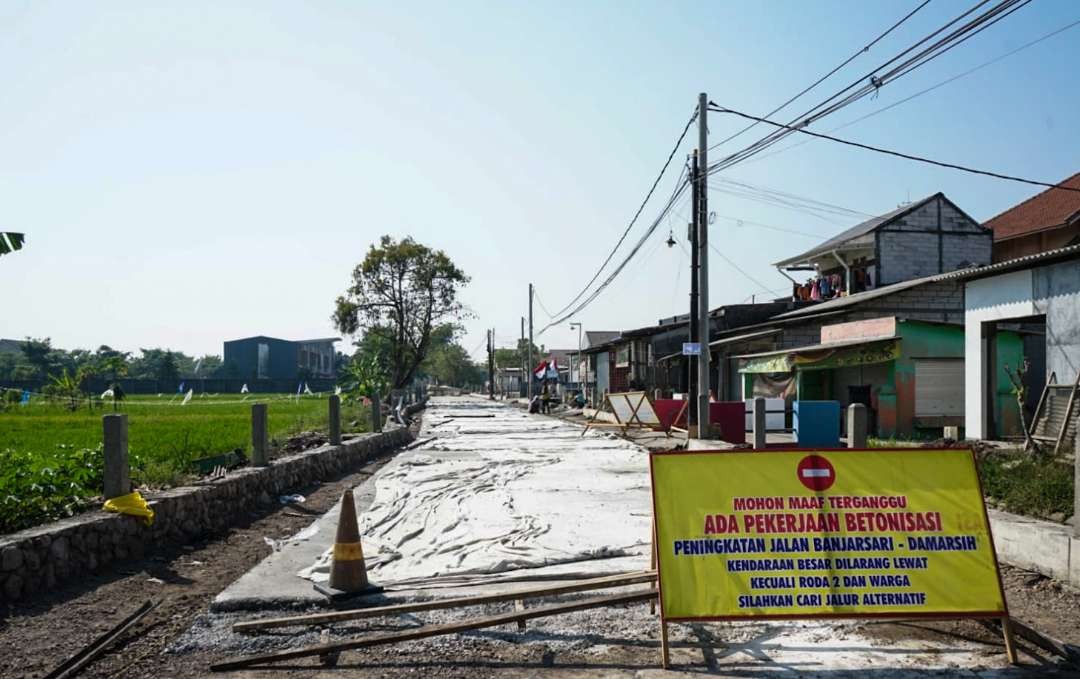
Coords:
622,356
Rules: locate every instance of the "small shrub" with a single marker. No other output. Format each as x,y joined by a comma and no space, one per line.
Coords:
34,491
1033,486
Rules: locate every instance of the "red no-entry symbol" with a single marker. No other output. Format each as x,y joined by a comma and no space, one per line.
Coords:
816,473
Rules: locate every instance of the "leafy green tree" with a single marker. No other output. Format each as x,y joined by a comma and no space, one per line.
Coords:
517,357
208,365
14,366
364,376
404,289
39,354
158,364
111,362
447,361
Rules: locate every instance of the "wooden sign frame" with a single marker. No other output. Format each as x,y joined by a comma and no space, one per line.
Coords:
634,421
665,650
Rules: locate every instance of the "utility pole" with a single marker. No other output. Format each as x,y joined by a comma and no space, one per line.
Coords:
692,382
521,355
491,366
529,366
704,428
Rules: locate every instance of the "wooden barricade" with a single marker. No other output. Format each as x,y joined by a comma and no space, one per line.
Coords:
632,409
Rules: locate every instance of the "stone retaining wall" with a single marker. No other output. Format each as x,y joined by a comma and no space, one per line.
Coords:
40,559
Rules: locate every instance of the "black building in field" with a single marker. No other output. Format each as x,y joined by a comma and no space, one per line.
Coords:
261,358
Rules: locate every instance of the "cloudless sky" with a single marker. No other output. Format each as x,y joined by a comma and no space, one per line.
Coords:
192,172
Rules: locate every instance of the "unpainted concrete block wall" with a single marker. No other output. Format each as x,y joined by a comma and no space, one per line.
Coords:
936,238
1057,294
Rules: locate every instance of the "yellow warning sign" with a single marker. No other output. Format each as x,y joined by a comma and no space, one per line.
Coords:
805,534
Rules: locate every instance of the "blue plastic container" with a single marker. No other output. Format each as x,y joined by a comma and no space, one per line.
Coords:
816,424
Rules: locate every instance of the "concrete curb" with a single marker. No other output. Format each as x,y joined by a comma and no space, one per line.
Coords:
1048,548
40,559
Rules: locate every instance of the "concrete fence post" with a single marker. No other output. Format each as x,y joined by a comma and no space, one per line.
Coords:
335,420
376,413
856,425
117,469
259,436
657,394
759,423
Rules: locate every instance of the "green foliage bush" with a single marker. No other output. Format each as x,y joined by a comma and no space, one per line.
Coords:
1026,484
34,490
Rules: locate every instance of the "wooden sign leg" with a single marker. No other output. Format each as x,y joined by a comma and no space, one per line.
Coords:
652,567
1010,644
665,654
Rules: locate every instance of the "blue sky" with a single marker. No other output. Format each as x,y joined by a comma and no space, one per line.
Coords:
192,172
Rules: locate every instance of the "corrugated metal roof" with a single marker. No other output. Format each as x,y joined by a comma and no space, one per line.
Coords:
1027,261
860,229
596,337
1068,252
858,297
747,336
822,347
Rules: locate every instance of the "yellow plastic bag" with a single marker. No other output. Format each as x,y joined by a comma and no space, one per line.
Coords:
131,504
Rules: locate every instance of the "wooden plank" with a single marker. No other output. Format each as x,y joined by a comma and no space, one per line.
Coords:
1039,407
1047,643
1043,641
439,604
77,662
1068,415
435,630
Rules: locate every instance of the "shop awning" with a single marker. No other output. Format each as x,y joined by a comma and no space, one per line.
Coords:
823,356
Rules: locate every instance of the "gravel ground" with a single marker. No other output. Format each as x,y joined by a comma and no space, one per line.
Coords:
36,637
180,639
623,642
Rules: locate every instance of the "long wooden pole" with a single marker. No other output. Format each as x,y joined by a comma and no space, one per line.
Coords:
435,630
438,604
77,662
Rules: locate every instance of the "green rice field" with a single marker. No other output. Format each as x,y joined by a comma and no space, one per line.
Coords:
51,461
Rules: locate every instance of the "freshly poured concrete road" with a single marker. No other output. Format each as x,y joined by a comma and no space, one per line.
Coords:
497,494
513,500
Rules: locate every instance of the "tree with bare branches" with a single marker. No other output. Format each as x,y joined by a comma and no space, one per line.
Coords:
1017,377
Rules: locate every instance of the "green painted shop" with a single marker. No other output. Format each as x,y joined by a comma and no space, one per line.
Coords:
909,373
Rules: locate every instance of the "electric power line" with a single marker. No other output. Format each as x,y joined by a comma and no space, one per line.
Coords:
828,75
920,93
680,188
899,154
873,81
740,221
740,270
543,308
637,214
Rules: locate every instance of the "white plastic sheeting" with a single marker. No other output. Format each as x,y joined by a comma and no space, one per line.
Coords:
510,494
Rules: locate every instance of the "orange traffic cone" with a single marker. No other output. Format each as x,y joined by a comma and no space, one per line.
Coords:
348,575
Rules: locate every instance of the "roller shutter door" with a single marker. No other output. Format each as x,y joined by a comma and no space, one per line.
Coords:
939,387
